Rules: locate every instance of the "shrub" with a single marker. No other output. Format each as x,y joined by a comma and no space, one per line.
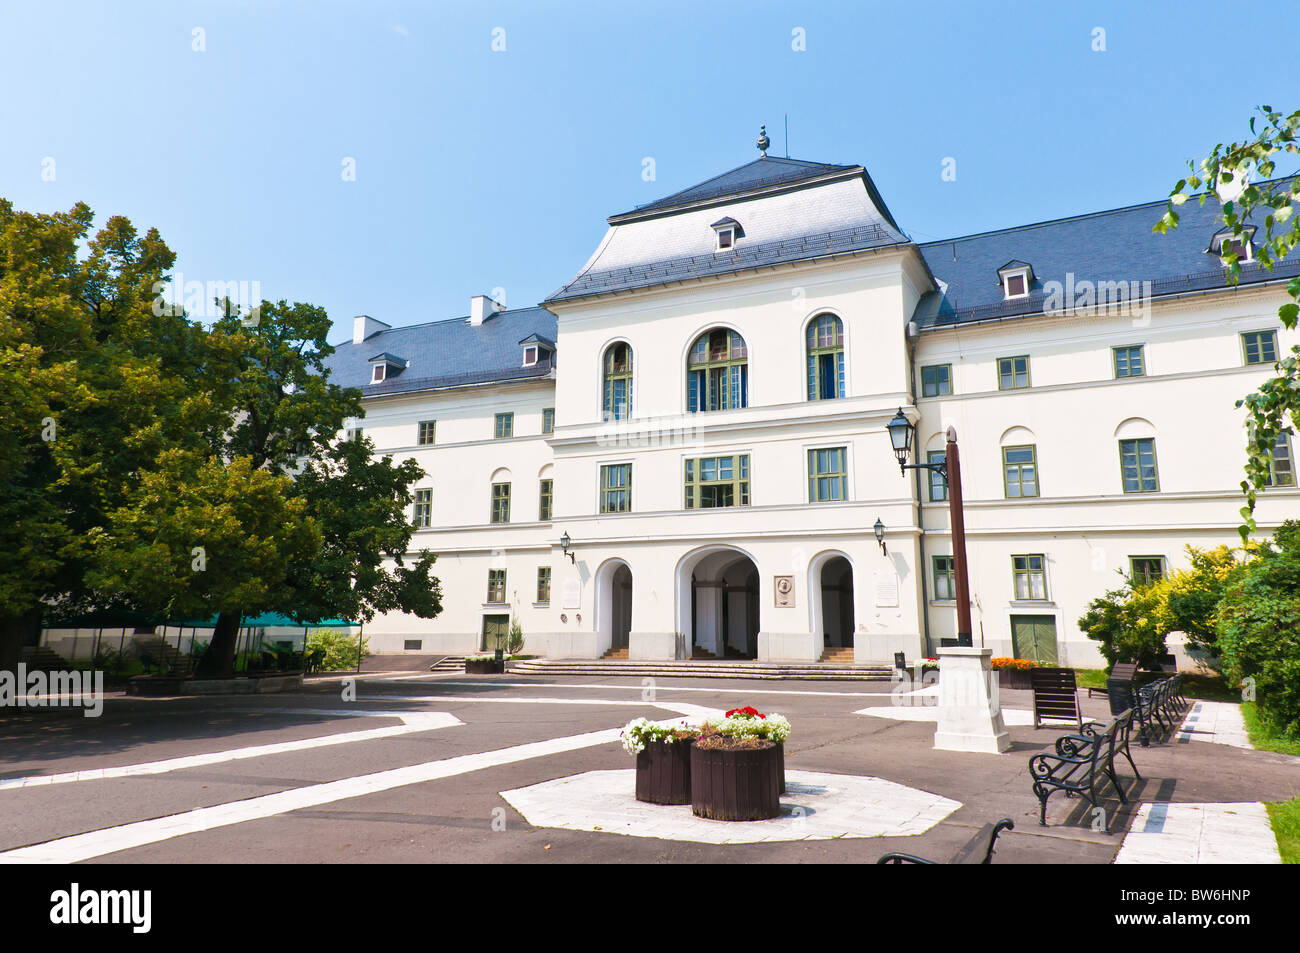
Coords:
1019,664
1258,629
336,649
1124,621
515,641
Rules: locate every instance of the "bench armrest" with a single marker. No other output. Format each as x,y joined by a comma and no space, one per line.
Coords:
896,858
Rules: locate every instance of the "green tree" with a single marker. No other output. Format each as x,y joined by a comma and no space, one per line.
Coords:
1126,623
1258,622
1221,175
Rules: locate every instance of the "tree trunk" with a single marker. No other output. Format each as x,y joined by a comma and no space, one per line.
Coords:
15,633
219,660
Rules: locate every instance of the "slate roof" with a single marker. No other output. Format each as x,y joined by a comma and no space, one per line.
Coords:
765,173
447,353
1112,246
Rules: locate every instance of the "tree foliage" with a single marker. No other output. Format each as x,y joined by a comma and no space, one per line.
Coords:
1222,174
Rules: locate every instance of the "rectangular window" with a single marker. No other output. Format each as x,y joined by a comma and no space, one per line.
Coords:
423,508
1020,471
717,481
548,420
501,502
1144,570
426,433
1259,347
1013,372
1281,468
505,426
496,585
1129,361
1030,577
354,433
378,373
545,494
544,584
827,475
412,645
944,587
936,380
616,488
1137,461
938,486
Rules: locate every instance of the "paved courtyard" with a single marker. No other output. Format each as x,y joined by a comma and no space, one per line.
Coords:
454,768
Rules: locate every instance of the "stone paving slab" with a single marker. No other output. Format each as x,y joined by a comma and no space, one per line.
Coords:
817,806
1217,722
1164,833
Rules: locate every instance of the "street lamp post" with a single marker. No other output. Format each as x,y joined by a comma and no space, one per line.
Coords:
901,430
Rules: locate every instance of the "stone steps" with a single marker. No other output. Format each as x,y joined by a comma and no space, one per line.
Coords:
699,668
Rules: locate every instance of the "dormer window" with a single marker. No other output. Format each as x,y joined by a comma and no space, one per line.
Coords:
385,366
1224,243
726,231
536,349
1016,278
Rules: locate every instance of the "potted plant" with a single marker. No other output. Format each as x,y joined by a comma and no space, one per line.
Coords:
485,664
738,766
663,760
1013,672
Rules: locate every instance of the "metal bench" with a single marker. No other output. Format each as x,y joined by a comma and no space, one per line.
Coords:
1055,695
978,850
1082,763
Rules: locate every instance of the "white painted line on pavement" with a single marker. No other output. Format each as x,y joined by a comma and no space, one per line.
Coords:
412,722
78,847
1165,833
657,687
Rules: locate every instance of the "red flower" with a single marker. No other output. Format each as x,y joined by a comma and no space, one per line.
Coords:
746,712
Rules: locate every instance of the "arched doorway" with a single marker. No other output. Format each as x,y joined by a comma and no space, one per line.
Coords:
837,603
718,604
614,605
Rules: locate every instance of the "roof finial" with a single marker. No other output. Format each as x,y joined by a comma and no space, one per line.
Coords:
763,141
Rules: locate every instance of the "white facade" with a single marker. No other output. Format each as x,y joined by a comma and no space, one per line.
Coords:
772,579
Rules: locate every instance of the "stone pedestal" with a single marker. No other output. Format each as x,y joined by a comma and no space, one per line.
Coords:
969,716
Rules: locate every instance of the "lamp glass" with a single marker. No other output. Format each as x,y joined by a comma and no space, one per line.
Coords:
900,433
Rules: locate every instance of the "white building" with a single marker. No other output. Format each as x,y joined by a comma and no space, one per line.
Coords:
713,442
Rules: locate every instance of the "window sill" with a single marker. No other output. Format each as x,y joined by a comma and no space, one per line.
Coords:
541,605
1032,604
496,605
950,603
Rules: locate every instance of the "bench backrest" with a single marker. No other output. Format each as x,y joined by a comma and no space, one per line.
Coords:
1123,671
979,849
1055,694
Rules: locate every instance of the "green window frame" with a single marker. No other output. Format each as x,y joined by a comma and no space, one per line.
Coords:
1029,574
1129,361
616,488
1020,471
828,475
717,481
938,485
545,499
354,433
543,585
1013,372
422,513
616,391
717,372
1137,463
504,426
548,420
945,585
1145,570
426,433
825,340
1259,347
501,502
1281,463
936,380
496,586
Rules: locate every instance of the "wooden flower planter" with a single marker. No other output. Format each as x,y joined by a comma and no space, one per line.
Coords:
736,785
485,667
1013,678
663,772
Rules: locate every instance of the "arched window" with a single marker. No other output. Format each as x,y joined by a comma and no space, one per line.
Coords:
616,404
825,357
717,372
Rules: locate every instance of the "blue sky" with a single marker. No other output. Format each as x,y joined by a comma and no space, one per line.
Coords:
478,169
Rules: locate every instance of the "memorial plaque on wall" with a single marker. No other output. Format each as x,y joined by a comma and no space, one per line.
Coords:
572,594
886,589
784,588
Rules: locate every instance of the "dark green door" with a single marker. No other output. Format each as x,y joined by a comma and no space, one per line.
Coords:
495,630
1034,637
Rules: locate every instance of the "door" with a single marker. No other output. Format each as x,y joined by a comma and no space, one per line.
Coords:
1034,637
495,630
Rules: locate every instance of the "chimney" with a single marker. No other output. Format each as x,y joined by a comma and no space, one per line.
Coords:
363,326
481,307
